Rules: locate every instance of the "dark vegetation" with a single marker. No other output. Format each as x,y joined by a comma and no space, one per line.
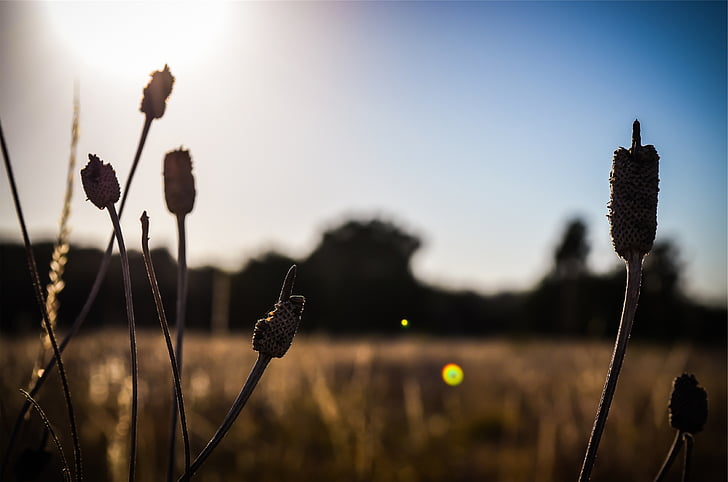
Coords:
359,280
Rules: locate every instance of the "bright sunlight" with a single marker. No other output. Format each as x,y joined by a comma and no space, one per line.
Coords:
127,38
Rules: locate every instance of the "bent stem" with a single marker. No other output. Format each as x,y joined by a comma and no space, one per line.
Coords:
40,299
132,337
66,470
179,402
180,326
93,293
255,373
671,456
631,296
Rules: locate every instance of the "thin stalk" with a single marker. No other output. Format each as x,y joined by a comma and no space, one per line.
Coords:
93,293
179,401
689,441
40,299
180,327
257,371
631,296
132,337
66,469
671,456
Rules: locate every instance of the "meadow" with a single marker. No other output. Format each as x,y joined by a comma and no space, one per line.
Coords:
377,408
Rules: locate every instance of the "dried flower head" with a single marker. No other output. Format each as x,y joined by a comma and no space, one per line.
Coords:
100,183
633,202
688,404
156,93
273,335
179,183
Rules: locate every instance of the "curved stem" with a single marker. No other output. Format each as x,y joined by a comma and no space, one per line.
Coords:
66,470
255,373
40,299
179,401
671,456
180,326
93,293
631,296
132,338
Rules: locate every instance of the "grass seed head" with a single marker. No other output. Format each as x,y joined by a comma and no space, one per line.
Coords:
633,202
273,335
688,404
179,183
100,182
156,93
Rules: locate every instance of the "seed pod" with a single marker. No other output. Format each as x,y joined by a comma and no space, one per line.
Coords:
179,183
156,93
273,335
100,183
633,202
688,404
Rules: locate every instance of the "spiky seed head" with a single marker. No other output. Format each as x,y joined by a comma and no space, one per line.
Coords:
156,93
633,202
179,183
273,335
688,404
99,182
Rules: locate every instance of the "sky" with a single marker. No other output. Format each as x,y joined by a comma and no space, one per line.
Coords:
482,127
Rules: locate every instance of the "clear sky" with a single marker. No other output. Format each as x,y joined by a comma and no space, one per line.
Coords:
480,126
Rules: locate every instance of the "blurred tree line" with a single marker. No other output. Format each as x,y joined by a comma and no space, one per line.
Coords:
359,280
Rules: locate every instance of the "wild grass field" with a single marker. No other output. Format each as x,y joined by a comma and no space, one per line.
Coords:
378,409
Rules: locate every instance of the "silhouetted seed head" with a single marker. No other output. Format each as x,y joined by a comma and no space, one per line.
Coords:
100,183
273,335
179,183
688,404
633,202
156,93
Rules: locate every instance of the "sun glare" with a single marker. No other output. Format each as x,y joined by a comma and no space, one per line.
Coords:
126,38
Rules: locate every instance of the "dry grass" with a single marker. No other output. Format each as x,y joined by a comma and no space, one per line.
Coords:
377,409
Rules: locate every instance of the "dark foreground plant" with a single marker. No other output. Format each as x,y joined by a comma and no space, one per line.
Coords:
688,414
272,338
633,221
40,299
102,189
153,105
179,401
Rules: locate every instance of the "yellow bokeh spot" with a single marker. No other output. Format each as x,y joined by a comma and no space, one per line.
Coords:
404,322
452,374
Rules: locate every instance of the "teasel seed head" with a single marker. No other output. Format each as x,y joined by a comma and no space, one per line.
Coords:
633,202
179,183
273,335
688,404
99,182
156,93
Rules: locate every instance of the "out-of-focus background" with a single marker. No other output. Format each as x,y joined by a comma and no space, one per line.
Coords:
439,174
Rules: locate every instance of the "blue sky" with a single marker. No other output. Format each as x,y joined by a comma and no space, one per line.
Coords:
480,126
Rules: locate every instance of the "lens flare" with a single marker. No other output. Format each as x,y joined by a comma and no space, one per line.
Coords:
452,374
404,322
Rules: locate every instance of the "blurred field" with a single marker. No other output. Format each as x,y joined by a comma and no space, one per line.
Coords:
377,409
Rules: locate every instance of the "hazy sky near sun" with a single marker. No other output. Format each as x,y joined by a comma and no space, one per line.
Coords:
480,126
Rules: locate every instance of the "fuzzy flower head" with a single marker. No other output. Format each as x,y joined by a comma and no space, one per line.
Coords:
99,182
179,183
688,404
156,93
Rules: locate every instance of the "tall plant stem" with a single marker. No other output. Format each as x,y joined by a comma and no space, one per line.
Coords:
40,299
671,456
631,296
180,326
132,338
688,456
256,372
179,401
93,293
49,428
